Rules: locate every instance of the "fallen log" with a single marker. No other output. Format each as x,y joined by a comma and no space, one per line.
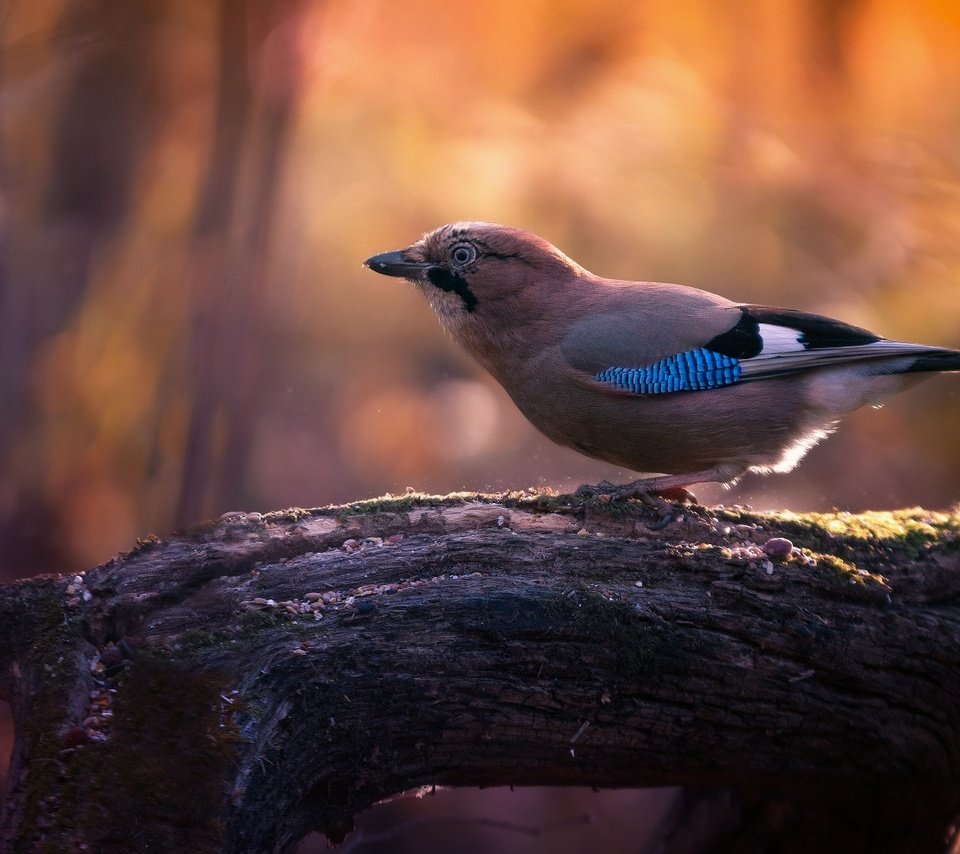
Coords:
241,683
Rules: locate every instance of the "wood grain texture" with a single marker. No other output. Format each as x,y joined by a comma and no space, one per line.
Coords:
236,685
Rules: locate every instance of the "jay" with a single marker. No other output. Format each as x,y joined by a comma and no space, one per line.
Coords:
659,378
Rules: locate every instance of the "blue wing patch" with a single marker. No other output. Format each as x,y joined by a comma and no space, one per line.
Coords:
694,370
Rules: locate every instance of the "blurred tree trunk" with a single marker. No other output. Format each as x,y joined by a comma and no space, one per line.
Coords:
99,131
260,82
51,235
237,685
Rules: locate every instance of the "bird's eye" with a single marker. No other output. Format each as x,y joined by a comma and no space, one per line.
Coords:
463,254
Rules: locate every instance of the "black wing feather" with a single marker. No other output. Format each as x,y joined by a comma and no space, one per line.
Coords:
817,332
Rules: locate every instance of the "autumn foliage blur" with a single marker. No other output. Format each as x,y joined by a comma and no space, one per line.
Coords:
187,190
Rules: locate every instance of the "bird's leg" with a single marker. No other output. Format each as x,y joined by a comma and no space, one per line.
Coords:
589,490
677,494
671,487
658,492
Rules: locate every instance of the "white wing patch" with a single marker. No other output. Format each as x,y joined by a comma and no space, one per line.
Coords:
779,339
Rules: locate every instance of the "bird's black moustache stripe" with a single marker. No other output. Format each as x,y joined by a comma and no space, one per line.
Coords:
453,283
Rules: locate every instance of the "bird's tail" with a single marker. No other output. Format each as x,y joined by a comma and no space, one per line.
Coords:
936,360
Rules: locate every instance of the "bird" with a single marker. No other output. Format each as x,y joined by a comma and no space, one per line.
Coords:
679,384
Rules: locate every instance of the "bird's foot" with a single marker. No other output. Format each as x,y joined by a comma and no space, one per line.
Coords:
675,495
638,489
660,499
661,505
589,490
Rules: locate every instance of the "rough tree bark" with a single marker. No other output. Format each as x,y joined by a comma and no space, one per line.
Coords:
234,686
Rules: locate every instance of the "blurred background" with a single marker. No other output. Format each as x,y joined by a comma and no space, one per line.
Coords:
187,190
188,187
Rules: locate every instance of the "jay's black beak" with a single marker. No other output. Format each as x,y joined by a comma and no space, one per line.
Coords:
394,264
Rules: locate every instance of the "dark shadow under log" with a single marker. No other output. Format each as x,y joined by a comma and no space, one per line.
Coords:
239,684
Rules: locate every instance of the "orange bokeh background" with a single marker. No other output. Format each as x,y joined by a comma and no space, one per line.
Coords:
189,189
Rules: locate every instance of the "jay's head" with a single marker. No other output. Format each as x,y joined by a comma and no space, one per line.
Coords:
477,269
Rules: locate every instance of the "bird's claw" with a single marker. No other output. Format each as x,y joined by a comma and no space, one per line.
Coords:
675,495
667,515
589,490
660,500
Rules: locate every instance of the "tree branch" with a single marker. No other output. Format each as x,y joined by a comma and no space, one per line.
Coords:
234,686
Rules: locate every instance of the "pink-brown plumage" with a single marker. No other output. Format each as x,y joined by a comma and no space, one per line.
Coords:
545,328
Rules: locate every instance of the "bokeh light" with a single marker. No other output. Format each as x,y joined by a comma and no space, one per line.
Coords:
188,189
